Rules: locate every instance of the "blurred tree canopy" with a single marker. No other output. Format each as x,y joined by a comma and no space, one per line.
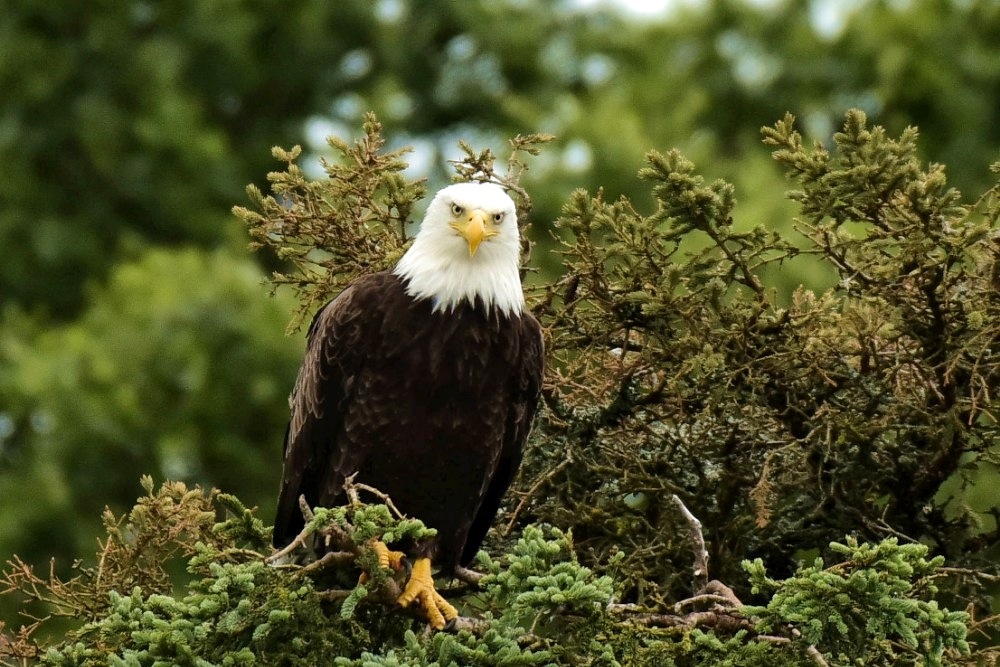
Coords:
138,123
133,338
174,366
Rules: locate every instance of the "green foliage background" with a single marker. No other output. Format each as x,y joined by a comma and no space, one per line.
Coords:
134,338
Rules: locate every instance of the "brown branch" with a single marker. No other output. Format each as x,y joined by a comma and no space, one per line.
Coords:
716,587
351,488
715,598
20,646
100,564
337,557
749,279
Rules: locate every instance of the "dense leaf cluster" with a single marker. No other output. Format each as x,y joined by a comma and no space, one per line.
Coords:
867,409
882,591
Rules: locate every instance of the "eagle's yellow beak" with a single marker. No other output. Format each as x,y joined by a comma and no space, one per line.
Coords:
475,229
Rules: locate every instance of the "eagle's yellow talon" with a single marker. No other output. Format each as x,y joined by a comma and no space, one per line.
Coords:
386,559
420,587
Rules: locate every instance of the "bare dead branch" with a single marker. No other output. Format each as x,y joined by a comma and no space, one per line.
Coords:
816,656
812,651
468,576
331,557
334,594
717,588
722,619
700,570
702,598
351,488
307,512
300,539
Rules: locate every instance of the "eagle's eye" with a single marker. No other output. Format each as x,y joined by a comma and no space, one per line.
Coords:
498,218
456,209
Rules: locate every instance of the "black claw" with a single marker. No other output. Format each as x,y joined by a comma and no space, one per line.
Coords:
450,625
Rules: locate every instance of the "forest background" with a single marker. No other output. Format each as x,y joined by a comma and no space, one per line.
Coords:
135,335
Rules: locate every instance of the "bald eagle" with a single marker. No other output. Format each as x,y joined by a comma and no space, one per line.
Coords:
424,381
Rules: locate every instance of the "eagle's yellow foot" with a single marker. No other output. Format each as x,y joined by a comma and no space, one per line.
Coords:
386,559
420,587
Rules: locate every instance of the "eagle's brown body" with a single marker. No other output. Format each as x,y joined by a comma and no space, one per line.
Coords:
432,408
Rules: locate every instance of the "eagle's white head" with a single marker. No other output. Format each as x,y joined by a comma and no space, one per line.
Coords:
468,247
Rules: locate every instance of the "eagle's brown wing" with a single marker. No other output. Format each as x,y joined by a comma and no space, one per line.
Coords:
332,359
523,404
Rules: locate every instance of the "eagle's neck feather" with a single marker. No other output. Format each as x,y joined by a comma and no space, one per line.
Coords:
450,279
